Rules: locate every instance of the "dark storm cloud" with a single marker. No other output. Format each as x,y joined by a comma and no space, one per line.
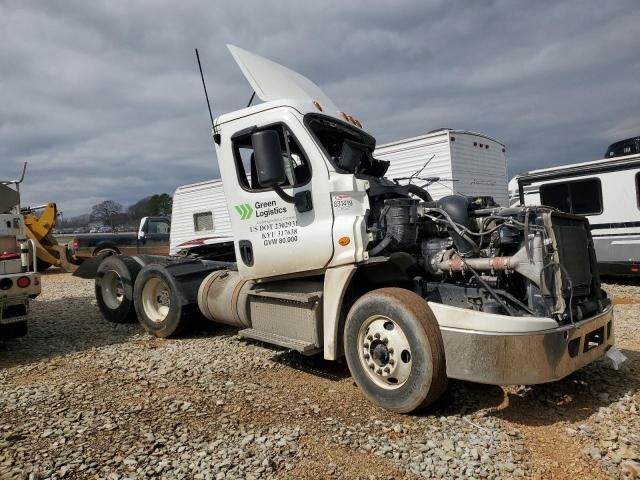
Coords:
104,101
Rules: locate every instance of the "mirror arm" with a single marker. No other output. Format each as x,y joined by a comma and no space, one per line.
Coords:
284,195
302,200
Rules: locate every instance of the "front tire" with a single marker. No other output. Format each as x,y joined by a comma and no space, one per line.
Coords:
114,288
159,304
394,350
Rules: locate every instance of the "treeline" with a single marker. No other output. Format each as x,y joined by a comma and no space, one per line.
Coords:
114,214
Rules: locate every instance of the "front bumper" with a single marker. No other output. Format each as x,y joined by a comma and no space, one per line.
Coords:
526,358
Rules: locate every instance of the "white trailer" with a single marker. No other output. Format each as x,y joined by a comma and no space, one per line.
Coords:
328,256
457,161
606,191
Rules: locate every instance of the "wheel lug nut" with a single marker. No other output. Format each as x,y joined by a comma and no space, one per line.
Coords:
385,341
377,335
390,351
379,371
387,369
366,356
391,361
366,345
372,366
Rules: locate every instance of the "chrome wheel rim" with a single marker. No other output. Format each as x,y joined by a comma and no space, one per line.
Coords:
156,299
384,352
112,290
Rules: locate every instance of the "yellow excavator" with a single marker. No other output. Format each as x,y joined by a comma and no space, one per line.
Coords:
39,222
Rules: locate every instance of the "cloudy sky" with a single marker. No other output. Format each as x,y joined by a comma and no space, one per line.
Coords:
104,101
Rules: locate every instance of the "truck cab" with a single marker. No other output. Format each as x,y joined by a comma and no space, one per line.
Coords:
19,278
318,202
153,235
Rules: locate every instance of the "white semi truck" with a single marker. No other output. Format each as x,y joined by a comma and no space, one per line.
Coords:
328,256
19,277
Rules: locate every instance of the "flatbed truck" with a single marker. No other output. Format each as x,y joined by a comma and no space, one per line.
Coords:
19,277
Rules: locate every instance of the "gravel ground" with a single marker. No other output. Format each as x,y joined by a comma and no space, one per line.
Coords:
81,398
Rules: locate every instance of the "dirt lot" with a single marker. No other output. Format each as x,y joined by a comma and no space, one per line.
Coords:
81,398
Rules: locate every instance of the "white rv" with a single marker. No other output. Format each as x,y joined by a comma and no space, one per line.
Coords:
606,191
200,216
457,161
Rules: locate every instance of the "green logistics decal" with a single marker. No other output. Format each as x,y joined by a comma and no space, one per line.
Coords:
244,211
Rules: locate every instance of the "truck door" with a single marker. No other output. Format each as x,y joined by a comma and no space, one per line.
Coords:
272,237
153,236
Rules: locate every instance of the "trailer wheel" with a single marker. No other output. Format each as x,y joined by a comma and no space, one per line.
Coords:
394,350
158,302
114,288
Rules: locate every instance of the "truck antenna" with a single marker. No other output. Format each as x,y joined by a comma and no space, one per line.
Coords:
253,95
214,130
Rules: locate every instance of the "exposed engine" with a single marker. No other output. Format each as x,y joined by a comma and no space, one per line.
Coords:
471,253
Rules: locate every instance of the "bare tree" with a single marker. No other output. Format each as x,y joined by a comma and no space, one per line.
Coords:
105,211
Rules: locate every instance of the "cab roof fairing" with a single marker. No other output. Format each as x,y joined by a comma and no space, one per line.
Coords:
278,86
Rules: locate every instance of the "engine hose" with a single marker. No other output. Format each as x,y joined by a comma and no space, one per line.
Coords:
526,237
491,292
384,243
515,301
419,192
454,226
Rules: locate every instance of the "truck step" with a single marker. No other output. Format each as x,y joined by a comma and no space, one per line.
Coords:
299,345
293,291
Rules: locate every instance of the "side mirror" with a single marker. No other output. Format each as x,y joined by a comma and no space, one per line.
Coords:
268,156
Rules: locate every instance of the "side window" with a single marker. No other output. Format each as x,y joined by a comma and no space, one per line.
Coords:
203,221
581,197
296,164
158,226
586,197
556,195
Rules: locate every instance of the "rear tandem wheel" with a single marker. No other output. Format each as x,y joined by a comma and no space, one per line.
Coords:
114,288
162,310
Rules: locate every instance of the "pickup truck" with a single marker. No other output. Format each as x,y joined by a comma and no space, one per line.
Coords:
152,238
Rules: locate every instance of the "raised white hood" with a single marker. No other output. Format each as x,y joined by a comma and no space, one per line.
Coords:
271,81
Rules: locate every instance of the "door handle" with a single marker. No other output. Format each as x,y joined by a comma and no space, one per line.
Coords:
246,252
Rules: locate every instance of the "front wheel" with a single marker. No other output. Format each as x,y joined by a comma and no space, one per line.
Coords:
394,350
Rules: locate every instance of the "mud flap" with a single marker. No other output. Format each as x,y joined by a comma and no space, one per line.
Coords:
66,260
89,268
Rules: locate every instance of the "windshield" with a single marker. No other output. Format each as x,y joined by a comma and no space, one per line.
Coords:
349,150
